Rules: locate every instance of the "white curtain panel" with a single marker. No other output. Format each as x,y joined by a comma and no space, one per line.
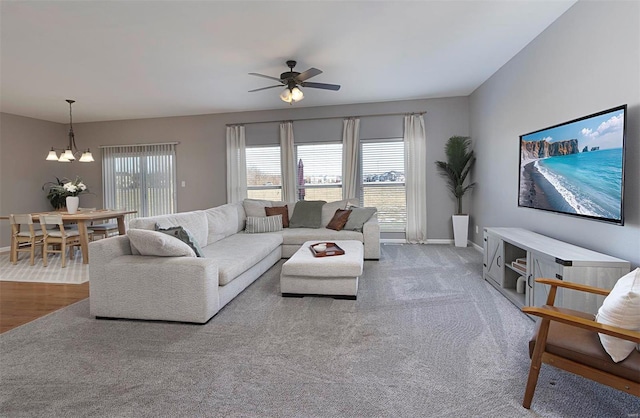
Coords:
415,163
288,162
350,149
236,164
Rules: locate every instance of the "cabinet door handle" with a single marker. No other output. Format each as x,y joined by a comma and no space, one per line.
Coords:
529,280
499,261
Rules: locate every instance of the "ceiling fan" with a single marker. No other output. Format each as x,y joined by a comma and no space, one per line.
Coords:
292,80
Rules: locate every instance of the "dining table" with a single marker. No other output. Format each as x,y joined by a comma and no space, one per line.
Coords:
83,218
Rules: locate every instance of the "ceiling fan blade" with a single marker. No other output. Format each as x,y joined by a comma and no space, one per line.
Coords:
324,86
265,88
311,72
266,76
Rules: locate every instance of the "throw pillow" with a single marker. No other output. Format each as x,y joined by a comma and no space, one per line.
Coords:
259,224
329,208
307,214
621,308
279,210
183,235
358,217
156,243
339,220
255,207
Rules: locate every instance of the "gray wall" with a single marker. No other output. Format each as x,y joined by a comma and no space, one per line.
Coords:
201,154
24,143
586,61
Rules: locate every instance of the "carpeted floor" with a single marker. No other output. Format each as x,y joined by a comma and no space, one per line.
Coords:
426,337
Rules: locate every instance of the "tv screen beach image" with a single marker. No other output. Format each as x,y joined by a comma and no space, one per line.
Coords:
575,168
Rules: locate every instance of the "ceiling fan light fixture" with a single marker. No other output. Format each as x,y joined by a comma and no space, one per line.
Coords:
296,94
286,95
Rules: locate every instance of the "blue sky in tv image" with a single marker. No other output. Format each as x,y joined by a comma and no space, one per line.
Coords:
604,131
588,182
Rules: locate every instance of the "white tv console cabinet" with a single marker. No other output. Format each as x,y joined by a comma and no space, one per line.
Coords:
550,258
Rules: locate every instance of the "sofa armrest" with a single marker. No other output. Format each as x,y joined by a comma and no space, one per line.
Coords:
122,285
371,238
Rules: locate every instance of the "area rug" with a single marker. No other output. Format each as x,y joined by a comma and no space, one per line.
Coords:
74,272
426,337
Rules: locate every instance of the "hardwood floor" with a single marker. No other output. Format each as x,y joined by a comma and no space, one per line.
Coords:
22,302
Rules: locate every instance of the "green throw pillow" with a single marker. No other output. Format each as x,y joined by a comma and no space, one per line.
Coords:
183,235
307,214
358,217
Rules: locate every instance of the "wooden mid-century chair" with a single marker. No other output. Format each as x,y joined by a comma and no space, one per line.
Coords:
59,239
568,340
25,237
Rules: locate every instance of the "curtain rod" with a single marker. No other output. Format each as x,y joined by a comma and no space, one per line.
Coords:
328,117
139,145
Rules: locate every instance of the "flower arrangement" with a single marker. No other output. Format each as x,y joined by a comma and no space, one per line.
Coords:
58,191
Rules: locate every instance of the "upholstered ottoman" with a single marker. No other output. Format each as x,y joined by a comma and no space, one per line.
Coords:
337,276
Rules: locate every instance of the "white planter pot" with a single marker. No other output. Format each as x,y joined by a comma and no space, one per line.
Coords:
460,229
72,204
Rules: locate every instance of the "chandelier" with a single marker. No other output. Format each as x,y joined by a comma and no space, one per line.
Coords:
69,154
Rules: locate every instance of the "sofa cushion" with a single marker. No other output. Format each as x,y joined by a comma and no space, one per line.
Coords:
223,221
238,253
195,222
307,214
329,209
279,210
147,242
183,235
358,217
339,220
261,224
298,236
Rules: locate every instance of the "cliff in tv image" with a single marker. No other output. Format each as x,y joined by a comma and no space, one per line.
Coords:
532,150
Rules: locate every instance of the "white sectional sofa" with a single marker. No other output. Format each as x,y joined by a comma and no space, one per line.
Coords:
125,284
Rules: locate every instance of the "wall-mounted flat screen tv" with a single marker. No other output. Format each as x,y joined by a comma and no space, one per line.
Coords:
576,167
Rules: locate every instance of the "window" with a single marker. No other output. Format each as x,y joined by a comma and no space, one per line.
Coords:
141,178
319,171
264,179
382,183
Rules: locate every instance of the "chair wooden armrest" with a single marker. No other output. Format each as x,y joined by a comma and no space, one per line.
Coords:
554,314
573,286
568,347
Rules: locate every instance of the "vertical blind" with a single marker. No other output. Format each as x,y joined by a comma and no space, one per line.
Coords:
140,177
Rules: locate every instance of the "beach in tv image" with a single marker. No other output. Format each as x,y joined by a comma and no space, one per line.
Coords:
576,167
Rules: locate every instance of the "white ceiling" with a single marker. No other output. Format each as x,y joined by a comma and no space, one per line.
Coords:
143,59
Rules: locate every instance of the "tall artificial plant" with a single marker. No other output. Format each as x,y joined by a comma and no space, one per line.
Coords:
460,159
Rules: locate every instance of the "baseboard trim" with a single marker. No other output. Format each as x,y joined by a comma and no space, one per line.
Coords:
477,247
5,249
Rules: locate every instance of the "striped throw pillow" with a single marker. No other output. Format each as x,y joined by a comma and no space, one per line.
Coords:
259,224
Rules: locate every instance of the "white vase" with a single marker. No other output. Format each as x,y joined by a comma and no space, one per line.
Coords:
72,204
460,229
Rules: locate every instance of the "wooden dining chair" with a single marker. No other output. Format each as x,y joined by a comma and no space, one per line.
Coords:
59,239
25,237
569,340
104,230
